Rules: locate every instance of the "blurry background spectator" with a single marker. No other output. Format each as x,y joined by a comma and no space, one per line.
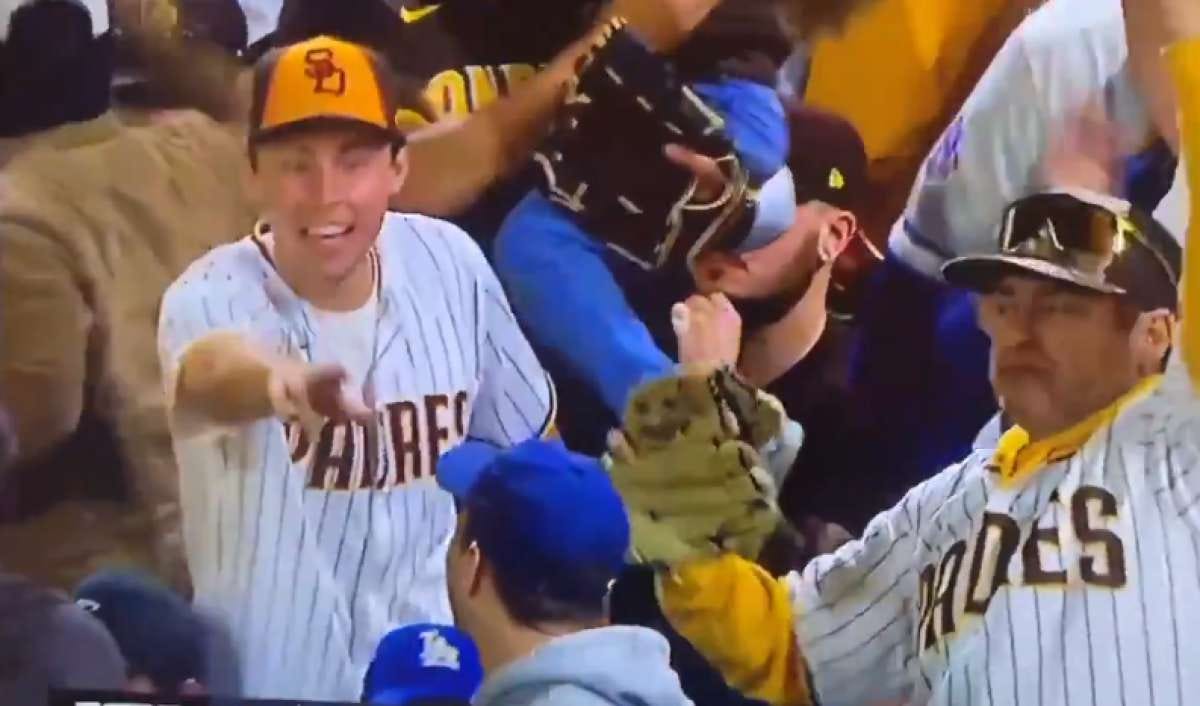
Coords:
96,218
46,642
899,72
8,439
424,665
921,354
210,31
163,641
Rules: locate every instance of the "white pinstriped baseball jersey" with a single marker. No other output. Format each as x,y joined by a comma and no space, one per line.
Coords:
1063,56
1076,585
311,549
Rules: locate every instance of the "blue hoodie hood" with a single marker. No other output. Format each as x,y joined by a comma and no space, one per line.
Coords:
619,665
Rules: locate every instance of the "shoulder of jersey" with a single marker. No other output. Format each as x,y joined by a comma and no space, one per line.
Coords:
236,270
406,232
954,480
1177,393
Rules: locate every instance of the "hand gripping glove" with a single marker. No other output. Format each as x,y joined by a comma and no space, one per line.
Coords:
604,161
686,464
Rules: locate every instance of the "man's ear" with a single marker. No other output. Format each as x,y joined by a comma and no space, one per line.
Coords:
478,567
1152,337
835,238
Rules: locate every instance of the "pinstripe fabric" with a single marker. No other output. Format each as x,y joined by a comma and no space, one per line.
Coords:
310,549
951,597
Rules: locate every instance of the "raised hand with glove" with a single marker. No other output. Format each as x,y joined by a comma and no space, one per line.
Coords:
564,253
605,159
686,464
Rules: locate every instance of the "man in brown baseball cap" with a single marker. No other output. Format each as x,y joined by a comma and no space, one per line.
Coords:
766,278
1079,301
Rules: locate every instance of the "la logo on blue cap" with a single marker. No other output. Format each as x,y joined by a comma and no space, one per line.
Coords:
436,651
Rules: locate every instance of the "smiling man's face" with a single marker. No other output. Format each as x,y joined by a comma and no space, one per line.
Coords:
325,192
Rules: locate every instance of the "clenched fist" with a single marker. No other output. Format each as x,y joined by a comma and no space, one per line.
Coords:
709,331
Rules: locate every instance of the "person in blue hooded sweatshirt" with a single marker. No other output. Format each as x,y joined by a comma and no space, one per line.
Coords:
541,537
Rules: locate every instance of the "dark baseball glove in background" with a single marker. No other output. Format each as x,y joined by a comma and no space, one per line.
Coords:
604,158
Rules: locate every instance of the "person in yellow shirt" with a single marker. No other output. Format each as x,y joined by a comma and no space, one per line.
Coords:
1051,569
899,72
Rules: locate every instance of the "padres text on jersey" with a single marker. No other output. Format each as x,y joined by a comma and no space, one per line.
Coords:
310,547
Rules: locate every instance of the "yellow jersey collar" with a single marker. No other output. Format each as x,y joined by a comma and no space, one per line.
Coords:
1016,458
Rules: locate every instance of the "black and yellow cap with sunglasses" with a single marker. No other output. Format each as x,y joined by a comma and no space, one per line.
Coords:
1093,242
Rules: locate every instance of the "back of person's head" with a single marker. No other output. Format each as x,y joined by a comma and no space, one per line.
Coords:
162,639
541,528
423,665
23,606
210,32
47,643
55,63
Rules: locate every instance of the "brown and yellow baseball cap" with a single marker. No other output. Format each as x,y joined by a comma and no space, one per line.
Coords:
325,79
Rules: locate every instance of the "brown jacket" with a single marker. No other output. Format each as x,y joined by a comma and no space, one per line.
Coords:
96,219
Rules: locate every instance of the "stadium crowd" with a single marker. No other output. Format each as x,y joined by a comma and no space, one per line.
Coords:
343,349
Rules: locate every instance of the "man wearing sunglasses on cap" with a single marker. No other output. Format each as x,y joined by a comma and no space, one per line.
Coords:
1070,69
1056,567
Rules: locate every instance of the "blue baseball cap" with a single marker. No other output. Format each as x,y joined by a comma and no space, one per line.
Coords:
548,519
157,631
423,663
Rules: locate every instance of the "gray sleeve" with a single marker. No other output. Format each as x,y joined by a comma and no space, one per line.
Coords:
570,694
986,158
78,652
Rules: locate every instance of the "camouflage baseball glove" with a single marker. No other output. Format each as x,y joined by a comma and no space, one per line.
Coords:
604,161
686,464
